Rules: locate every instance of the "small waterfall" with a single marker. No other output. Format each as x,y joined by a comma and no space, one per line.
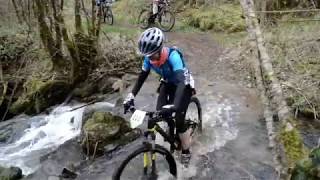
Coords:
43,136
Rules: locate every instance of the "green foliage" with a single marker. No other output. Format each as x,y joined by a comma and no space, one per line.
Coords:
225,18
128,10
12,46
123,31
309,168
294,50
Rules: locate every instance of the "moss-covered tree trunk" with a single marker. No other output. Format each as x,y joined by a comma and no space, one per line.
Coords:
23,11
52,45
81,46
289,140
70,64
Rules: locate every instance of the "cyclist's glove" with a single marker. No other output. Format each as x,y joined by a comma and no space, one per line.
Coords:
128,103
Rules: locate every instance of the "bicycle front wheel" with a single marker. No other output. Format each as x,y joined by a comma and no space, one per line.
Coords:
166,20
143,19
194,115
138,164
108,16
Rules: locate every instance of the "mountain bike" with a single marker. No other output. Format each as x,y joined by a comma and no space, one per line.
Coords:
165,17
106,11
148,158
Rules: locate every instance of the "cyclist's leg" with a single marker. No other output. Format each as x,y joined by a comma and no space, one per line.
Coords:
155,7
163,95
165,90
171,92
182,128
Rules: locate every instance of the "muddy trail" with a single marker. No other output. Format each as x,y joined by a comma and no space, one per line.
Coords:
234,143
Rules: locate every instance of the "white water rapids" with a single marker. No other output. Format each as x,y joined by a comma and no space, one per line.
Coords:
43,136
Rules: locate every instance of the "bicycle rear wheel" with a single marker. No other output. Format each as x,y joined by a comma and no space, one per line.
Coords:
166,20
194,115
143,19
133,167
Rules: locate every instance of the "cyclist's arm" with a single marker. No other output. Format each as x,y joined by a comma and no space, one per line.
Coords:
142,77
178,69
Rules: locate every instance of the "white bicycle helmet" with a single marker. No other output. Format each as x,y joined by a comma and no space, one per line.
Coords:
150,41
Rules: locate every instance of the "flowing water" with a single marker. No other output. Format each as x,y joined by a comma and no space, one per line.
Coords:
44,134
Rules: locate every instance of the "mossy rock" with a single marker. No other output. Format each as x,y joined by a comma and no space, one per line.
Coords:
103,129
12,173
40,95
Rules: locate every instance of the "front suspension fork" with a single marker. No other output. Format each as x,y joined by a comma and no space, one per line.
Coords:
146,161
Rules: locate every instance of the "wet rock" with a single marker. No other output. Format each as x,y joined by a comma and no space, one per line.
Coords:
97,107
129,77
118,85
12,173
69,156
40,95
89,90
5,135
103,129
13,129
66,173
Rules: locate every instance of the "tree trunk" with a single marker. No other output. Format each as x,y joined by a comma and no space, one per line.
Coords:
18,14
47,37
272,88
78,25
81,47
266,66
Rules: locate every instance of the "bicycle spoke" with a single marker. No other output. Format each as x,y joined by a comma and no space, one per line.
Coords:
192,117
141,166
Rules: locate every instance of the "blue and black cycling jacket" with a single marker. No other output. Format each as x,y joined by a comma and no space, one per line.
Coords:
173,71
168,71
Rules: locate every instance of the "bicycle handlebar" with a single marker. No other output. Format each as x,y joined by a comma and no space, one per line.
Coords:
153,115
149,113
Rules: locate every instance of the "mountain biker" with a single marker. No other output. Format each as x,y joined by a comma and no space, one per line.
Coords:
98,2
176,85
155,9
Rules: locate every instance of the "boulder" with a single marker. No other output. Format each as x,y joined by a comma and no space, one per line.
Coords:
104,129
40,95
11,173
